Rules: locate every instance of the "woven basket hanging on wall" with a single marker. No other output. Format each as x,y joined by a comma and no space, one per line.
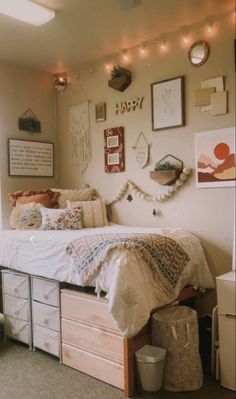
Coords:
176,329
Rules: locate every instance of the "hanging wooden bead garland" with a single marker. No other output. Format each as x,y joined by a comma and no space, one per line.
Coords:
136,191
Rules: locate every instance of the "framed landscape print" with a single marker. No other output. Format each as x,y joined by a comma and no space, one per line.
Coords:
168,103
114,150
215,158
30,158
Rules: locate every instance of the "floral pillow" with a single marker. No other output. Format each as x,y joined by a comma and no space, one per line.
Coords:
94,212
27,216
61,219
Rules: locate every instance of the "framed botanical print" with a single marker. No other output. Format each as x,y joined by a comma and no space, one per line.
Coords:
114,150
168,103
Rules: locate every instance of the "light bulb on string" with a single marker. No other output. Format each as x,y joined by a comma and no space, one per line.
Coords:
108,67
185,40
143,50
210,28
125,56
163,47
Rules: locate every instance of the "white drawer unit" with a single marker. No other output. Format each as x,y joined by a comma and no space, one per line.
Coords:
91,342
47,340
45,291
17,306
226,297
46,315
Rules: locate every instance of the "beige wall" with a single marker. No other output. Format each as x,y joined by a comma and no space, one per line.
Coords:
21,89
206,212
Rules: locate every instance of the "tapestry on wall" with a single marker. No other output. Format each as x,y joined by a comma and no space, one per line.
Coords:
79,129
215,158
114,150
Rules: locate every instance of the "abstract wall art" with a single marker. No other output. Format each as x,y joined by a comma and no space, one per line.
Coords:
215,158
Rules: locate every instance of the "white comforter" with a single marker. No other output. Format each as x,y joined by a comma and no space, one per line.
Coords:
131,290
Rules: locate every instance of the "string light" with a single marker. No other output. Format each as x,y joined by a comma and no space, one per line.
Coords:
185,40
210,28
143,50
125,56
163,46
108,67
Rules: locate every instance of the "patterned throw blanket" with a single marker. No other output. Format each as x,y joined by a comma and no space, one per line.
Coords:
164,256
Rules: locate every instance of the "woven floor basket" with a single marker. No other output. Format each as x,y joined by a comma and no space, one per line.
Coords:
176,329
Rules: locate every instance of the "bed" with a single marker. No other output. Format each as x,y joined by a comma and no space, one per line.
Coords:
124,276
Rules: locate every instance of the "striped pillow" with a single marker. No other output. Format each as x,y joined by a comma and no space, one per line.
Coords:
93,212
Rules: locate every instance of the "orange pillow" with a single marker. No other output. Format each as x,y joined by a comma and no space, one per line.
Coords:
45,197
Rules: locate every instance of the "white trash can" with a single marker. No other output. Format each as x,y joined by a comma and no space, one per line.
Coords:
151,362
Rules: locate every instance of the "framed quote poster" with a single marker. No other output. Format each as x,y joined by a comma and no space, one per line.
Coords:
30,158
114,150
168,103
215,158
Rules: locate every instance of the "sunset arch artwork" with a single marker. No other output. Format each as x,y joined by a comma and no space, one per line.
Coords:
215,158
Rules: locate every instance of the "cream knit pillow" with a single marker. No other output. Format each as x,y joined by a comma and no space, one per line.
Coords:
93,212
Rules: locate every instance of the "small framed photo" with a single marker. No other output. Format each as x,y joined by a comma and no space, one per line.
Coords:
113,159
112,141
168,103
100,112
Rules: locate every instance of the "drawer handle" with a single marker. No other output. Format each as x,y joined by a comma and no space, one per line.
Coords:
47,344
45,321
16,312
45,296
15,289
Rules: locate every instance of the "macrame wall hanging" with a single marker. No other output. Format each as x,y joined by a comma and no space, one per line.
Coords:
141,150
134,190
79,129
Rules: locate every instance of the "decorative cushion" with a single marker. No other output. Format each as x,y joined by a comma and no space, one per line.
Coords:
94,212
82,194
46,197
61,219
26,216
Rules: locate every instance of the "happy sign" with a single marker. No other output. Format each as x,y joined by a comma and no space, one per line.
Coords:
129,105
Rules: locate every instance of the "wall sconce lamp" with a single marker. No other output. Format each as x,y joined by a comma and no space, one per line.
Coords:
62,80
60,83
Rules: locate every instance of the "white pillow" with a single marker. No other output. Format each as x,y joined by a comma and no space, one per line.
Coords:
93,212
61,219
82,194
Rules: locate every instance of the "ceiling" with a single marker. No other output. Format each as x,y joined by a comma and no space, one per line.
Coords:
86,32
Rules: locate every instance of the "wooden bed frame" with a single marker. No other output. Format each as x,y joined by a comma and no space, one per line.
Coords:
131,345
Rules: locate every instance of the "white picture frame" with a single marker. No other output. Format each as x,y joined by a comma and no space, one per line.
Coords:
112,141
113,159
168,103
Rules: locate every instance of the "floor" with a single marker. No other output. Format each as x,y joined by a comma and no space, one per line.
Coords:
27,374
